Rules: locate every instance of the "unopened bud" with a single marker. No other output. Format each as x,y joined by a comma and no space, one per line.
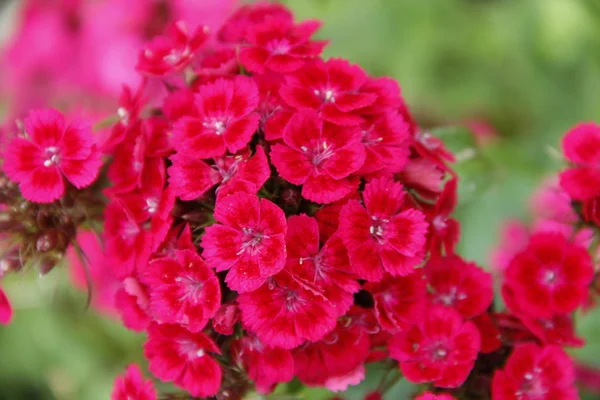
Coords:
48,262
225,319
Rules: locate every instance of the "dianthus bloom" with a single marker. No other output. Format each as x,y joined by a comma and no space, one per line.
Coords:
431,396
177,355
132,386
5,309
249,240
535,373
183,290
320,156
51,151
551,275
441,348
383,235
581,146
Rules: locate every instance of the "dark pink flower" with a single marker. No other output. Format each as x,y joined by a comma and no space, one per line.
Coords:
461,285
431,396
399,301
132,386
318,362
265,365
131,301
278,46
184,358
248,240
237,27
445,231
382,235
581,146
491,339
441,348
320,156
550,276
535,373
333,88
191,177
224,119
182,290
386,140
6,311
225,319
327,269
172,52
220,63
284,313
52,151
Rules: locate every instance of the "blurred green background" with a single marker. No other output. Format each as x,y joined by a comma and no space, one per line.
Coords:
529,68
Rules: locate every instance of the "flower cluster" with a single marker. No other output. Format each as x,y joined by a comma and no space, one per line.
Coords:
269,210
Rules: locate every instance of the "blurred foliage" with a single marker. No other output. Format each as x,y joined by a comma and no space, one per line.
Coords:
529,68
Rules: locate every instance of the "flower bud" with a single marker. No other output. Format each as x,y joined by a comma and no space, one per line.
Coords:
48,262
227,316
51,240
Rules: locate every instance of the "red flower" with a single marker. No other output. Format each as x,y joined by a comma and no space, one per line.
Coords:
491,339
461,285
333,88
172,52
6,311
339,353
224,119
184,358
399,301
237,27
284,313
249,241
51,151
381,236
191,177
320,156
183,290
581,146
281,47
441,348
535,373
326,270
132,386
550,276
431,396
445,231
386,139
266,366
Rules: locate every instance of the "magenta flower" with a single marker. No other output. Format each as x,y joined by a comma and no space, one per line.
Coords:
581,146
133,386
320,156
172,52
52,151
248,240
224,119
383,235
184,358
132,302
183,290
332,88
6,311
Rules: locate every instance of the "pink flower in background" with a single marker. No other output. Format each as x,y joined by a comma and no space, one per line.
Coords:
51,152
431,396
581,146
132,386
6,311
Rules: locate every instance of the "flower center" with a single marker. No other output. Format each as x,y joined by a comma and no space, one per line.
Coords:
279,46
321,152
175,55
377,228
217,125
326,95
532,386
252,241
550,277
192,288
292,300
151,205
190,349
52,155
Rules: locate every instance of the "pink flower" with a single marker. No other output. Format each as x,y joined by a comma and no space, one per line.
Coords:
491,339
52,151
445,231
247,17
431,396
278,46
321,361
184,358
461,285
172,52
320,156
386,140
6,311
131,301
225,319
550,276
183,290
248,240
266,366
343,382
224,119
441,348
284,313
331,87
533,372
326,270
383,235
133,386
581,146
191,177
399,301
